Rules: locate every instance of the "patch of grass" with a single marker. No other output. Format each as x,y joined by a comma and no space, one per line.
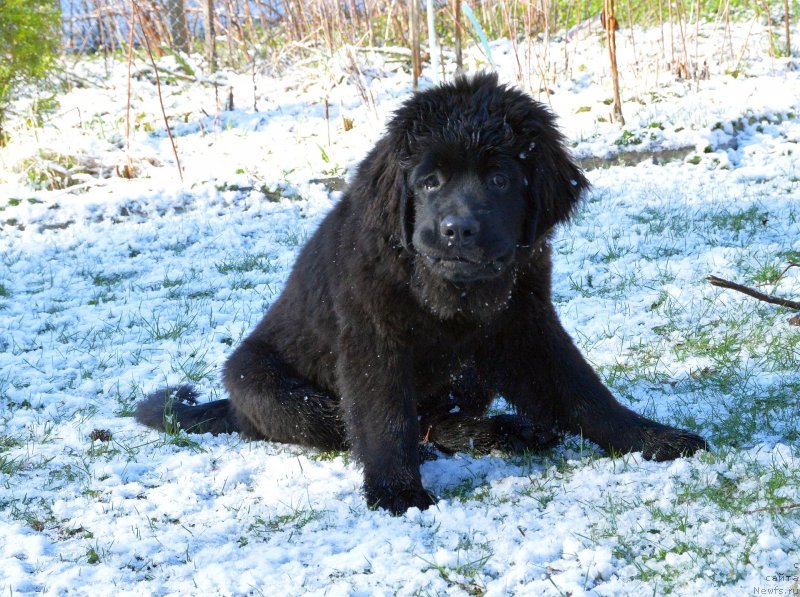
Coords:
670,548
747,220
293,237
726,352
95,553
200,294
10,441
293,520
103,279
461,492
194,367
10,465
172,282
246,263
628,138
172,329
37,513
581,285
656,218
541,489
465,573
242,282
614,250
792,255
330,455
50,170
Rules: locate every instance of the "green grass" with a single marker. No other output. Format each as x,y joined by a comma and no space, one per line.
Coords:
293,520
471,559
245,264
158,328
293,237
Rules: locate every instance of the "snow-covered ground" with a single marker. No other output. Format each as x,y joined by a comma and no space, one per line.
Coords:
112,287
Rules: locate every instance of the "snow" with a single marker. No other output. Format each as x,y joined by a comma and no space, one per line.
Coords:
113,287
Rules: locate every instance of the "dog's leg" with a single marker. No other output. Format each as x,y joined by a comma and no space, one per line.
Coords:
378,404
545,376
272,402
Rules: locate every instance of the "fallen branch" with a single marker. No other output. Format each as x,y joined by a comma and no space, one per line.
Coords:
754,293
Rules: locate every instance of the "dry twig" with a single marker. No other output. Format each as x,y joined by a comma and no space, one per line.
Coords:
158,88
775,300
786,269
780,509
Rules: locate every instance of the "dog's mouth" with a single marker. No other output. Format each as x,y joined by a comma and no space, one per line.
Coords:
461,269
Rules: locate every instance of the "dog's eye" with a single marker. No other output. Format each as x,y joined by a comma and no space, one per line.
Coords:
431,182
499,181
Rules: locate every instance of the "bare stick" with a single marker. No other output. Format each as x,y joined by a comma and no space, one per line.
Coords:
786,27
774,300
416,54
511,28
160,98
611,26
132,26
787,268
697,73
633,38
779,276
457,19
780,509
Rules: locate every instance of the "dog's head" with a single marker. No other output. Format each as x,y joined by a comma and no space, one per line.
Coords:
470,179
485,174
464,212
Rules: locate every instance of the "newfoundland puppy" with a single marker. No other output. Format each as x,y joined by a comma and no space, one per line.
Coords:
423,295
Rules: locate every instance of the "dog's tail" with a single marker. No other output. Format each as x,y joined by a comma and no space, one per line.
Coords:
171,409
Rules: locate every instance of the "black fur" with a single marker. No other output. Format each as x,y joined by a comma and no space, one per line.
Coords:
424,294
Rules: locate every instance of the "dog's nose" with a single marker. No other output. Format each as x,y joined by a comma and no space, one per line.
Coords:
461,230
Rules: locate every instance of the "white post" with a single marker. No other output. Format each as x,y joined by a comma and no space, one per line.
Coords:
432,44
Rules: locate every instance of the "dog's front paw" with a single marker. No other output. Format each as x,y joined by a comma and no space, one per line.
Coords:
667,443
398,500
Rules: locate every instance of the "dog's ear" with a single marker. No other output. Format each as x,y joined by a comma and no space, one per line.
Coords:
554,181
531,225
406,213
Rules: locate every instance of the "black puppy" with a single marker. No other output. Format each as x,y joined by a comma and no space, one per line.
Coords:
424,294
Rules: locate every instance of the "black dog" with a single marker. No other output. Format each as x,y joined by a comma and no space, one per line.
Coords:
424,294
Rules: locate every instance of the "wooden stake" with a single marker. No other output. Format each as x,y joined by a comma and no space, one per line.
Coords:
416,55
457,19
610,22
211,52
786,27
